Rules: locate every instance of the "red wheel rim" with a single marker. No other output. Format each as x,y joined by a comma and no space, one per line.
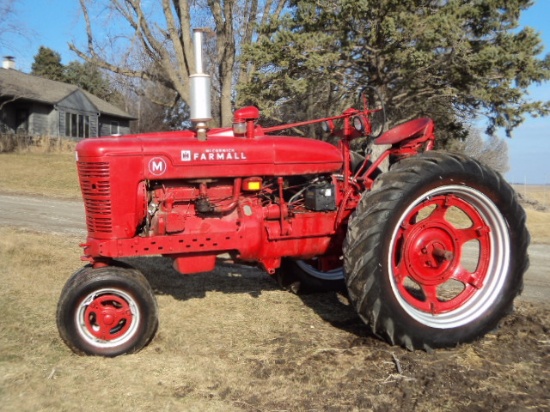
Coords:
108,317
428,269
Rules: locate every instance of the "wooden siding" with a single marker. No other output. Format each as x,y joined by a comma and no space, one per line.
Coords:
105,123
42,120
77,102
94,126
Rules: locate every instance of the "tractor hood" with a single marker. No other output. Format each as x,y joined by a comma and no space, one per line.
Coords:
180,155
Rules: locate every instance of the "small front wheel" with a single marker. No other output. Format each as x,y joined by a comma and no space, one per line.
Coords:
107,312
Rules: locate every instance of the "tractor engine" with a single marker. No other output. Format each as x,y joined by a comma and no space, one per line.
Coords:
174,205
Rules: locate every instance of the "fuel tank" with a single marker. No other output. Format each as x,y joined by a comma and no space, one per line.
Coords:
180,155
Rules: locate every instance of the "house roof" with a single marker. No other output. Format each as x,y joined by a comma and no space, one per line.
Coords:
26,86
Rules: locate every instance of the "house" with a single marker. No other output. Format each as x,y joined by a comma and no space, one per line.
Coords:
35,106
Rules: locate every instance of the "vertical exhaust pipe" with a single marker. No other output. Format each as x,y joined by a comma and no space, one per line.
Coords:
200,89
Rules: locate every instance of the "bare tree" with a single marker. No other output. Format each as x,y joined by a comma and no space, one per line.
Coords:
10,24
7,13
8,96
492,151
159,46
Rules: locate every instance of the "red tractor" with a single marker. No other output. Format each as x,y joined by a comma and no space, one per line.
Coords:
431,253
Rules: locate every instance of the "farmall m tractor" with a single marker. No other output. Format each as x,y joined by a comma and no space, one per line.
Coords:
431,253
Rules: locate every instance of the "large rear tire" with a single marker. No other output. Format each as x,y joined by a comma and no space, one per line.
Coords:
435,254
107,312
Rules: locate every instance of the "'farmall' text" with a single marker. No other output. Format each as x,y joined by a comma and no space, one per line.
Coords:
212,154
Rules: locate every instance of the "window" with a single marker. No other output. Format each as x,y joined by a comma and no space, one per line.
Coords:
77,125
80,126
67,124
74,124
86,126
115,128
22,121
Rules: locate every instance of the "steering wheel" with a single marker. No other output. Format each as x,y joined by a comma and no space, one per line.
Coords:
369,97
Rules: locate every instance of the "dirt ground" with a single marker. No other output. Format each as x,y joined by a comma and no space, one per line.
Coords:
507,370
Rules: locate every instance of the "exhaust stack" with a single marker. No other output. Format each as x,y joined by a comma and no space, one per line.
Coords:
200,89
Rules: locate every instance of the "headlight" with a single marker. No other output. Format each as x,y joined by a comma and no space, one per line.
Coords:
239,128
359,123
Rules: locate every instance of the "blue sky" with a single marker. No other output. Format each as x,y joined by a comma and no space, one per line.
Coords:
529,148
53,23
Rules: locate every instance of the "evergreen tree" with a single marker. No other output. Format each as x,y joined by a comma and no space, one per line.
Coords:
451,60
88,77
47,64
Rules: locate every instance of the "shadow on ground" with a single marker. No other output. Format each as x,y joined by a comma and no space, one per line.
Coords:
230,278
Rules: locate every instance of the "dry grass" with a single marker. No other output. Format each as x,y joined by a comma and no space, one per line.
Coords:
538,224
538,211
47,174
15,143
232,341
538,193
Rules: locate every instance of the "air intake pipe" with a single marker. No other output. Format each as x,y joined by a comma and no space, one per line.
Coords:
200,89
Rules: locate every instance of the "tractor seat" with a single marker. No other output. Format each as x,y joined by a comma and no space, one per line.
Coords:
406,130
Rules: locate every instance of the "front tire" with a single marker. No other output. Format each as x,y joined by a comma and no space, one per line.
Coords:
107,312
435,254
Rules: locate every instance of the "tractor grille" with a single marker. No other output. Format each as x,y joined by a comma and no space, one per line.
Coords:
95,183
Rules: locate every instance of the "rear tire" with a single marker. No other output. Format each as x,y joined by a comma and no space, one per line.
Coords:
107,312
303,277
435,254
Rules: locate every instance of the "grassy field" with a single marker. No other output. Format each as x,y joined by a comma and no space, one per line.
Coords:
231,340
45,174
538,193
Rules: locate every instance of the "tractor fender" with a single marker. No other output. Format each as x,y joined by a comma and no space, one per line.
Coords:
421,129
